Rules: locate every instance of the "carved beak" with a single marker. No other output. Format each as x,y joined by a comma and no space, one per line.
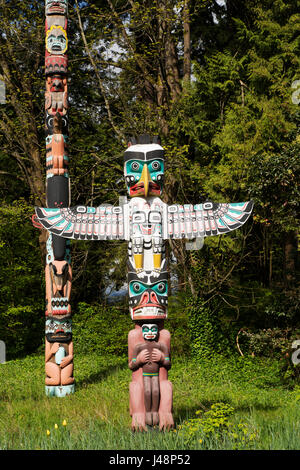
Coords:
145,178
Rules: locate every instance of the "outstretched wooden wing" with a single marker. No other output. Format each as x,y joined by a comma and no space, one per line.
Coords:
84,223
207,219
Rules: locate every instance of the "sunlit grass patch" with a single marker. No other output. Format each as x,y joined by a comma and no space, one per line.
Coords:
236,403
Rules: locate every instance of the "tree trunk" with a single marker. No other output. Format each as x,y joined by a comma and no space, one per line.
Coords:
186,42
290,256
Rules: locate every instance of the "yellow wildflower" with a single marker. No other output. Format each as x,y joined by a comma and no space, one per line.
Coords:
48,432
64,423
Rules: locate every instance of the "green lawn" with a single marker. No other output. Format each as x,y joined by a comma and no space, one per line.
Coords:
262,415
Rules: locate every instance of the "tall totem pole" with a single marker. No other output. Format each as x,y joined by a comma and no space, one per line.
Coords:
58,273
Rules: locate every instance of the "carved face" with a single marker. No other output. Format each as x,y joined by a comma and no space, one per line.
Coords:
59,271
57,7
148,296
150,331
56,84
56,124
58,329
56,40
144,170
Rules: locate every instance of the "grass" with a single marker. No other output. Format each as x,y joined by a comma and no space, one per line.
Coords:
97,415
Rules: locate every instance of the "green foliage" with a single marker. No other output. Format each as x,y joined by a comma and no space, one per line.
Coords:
21,277
101,328
269,342
105,328
275,188
214,425
178,325
207,338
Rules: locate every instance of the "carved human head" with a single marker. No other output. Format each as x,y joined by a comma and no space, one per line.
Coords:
56,40
150,331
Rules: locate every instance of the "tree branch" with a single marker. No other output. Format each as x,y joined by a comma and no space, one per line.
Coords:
101,86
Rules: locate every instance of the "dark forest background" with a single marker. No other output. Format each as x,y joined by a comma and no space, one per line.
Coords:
219,82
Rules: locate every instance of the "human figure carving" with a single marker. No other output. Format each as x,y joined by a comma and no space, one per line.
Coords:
150,356
59,363
150,389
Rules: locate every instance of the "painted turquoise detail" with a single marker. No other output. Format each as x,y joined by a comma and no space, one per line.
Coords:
50,210
233,211
59,390
137,287
135,168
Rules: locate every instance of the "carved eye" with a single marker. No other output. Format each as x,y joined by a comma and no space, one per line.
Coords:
139,218
135,166
136,287
161,287
155,166
154,217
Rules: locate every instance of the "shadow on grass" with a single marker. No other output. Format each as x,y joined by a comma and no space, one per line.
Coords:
100,375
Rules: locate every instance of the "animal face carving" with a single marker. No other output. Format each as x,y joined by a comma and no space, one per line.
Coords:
144,170
56,124
55,7
56,96
56,84
58,329
148,298
59,272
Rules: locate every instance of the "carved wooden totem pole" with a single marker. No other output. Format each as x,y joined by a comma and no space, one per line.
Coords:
146,222
59,346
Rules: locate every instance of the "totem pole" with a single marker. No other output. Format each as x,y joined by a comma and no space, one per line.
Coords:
146,222
58,273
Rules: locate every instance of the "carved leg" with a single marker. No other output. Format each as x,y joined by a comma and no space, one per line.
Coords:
67,375
148,400
155,400
166,421
53,374
137,407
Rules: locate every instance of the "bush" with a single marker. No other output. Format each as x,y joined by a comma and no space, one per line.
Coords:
213,427
100,328
207,337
